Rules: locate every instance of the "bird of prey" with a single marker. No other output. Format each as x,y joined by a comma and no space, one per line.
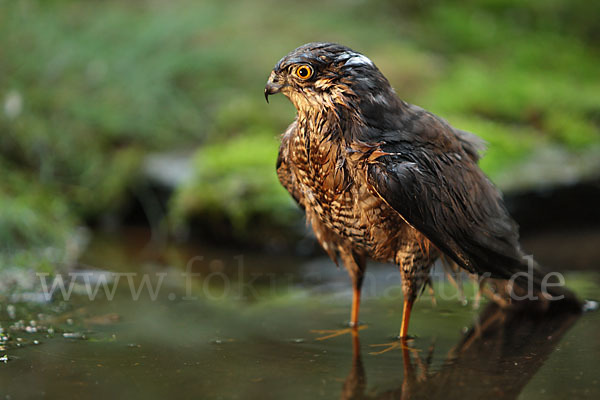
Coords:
383,179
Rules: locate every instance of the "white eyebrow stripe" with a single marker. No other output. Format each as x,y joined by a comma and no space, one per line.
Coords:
358,59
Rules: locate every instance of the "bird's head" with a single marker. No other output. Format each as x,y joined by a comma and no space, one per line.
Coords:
318,75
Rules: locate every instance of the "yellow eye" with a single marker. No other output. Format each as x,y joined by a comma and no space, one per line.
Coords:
304,72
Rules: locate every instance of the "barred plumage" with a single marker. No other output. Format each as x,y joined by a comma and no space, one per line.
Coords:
383,179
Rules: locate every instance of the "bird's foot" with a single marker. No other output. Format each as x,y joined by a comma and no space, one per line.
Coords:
399,343
331,333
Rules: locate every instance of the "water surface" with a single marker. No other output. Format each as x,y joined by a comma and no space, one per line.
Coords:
249,327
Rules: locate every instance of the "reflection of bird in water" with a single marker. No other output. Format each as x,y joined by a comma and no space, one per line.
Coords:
383,179
496,358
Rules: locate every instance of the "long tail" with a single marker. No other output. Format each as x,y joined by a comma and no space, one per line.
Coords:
532,283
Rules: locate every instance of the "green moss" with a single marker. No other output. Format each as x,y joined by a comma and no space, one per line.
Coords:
35,222
89,88
572,130
506,144
236,178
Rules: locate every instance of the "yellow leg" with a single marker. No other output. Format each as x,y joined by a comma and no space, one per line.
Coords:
331,333
405,318
403,342
355,307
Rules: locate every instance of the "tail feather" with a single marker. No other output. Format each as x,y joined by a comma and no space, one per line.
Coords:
533,284
530,283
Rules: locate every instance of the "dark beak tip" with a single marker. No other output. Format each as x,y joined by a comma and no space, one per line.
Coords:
272,88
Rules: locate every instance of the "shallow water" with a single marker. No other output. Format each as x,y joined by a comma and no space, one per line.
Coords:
249,327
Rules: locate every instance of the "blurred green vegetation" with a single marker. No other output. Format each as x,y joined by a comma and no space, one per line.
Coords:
242,189
89,88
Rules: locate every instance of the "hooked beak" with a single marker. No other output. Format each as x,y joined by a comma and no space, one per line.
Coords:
272,87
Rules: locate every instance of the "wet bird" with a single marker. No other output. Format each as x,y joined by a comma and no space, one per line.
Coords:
383,179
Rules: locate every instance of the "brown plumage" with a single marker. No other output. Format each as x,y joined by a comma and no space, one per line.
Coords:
383,179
